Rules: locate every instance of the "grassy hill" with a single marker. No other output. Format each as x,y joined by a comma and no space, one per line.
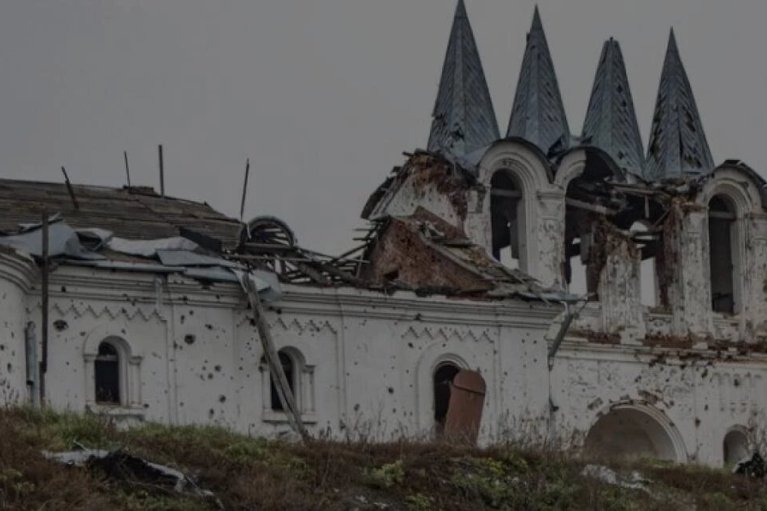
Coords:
250,473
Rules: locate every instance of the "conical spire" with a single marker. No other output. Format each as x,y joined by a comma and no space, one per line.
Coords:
611,122
464,119
538,114
677,145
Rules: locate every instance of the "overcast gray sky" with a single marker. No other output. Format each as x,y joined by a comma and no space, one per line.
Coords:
324,95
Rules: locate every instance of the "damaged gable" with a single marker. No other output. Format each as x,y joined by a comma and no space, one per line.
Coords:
425,179
425,254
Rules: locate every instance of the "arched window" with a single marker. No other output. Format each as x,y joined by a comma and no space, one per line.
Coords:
289,367
735,447
107,374
507,215
443,378
648,275
721,238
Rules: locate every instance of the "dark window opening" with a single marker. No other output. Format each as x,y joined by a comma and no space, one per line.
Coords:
721,222
648,267
107,371
507,213
443,379
289,368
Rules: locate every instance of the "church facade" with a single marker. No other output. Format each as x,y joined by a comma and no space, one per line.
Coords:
607,298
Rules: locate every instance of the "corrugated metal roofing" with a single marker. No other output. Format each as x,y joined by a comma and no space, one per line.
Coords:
538,114
678,145
464,118
136,213
611,122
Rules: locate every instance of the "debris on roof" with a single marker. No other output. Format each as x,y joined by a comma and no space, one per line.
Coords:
425,254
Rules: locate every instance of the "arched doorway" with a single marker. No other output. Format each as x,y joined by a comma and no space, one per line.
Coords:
632,432
443,378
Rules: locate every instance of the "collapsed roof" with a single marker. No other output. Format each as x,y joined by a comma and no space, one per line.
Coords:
138,230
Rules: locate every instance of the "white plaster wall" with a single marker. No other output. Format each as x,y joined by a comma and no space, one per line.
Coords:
702,399
15,277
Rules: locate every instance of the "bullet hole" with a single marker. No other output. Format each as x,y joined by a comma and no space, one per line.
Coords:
10,368
60,325
181,403
189,339
736,382
705,407
63,289
209,326
182,318
210,376
697,422
410,345
357,407
191,313
146,405
2,347
391,390
222,399
211,412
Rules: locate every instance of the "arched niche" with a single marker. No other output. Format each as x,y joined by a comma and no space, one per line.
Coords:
735,446
634,431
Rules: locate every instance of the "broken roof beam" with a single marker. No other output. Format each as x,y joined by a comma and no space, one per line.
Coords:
595,208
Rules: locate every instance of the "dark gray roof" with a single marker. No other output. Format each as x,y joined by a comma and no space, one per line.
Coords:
677,145
611,122
135,213
538,114
464,119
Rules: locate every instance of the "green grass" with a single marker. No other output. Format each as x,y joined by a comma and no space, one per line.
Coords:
254,473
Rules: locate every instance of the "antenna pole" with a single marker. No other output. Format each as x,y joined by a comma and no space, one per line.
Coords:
127,168
70,189
162,171
245,189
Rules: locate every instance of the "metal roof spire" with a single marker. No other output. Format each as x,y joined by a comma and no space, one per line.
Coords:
611,122
463,118
538,114
677,145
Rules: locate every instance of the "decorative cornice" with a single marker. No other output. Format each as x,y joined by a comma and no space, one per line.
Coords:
112,311
447,333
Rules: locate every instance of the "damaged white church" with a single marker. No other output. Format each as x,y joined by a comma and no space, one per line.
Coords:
574,290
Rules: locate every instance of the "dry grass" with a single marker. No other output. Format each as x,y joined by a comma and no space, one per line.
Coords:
249,473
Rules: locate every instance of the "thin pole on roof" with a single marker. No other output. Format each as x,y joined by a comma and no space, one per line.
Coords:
162,171
70,189
127,168
245,189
